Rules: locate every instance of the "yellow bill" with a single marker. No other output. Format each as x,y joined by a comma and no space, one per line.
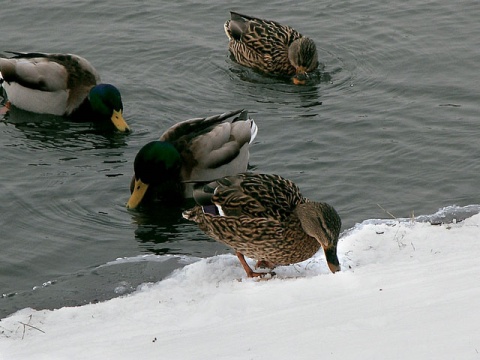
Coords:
119,121
138,193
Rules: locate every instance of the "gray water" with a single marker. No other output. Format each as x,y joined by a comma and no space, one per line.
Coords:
392,124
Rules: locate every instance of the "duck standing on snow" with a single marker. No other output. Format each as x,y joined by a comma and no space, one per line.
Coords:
60,84
266,218
270,47
193,150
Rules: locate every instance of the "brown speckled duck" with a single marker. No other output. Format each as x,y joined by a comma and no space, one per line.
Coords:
266,218
270,47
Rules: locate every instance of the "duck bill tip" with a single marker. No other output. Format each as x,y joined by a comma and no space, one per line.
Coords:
333,267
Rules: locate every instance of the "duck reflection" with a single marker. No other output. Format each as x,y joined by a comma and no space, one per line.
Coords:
278,90
51,131
162,230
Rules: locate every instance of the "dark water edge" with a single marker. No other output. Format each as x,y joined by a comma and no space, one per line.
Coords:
88,286
124,276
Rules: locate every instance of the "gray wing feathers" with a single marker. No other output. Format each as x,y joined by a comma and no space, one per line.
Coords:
41,75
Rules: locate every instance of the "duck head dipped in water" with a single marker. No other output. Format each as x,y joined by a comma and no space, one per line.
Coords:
271,47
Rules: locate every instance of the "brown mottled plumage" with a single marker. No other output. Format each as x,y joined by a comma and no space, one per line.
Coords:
270,47
266,218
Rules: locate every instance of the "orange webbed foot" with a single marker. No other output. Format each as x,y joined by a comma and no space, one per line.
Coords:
5,108
249,271
264,264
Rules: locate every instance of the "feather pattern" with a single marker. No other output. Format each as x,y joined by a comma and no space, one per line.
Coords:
269,46
265,217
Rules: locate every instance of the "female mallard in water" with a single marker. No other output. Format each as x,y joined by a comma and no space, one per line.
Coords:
60,84
192,150
270,47
266,218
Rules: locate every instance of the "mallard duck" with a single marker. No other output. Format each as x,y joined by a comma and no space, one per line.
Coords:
270,47
60,84
192,150
266,218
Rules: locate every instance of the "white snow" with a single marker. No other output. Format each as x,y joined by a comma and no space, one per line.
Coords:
407,290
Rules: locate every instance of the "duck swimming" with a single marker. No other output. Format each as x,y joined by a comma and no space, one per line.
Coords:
270,47
63,85
265,217
193,150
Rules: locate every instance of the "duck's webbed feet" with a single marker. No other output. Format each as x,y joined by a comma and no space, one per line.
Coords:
264,264
5,108
249,271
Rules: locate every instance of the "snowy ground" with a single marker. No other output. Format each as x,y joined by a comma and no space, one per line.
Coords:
407,290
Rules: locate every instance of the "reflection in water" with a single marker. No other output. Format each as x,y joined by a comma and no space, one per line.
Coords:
162,230
56,131
334,71
277,90
257,77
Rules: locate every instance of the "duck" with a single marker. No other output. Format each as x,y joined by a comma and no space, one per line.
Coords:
270,47
191,150
266,218
63,85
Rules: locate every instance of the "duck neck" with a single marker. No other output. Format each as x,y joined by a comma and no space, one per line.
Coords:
321,221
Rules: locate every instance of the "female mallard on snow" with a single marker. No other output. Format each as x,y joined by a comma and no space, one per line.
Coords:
266,218
60,84
270,47
192,150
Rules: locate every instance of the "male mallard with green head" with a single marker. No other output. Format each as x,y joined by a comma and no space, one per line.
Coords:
192,150
270,47
266,218
63,85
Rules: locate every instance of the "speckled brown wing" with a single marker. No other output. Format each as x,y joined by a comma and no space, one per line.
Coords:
259,219
261,44
264,217
259,238
253,195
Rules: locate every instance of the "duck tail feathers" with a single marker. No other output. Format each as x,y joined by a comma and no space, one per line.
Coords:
253,130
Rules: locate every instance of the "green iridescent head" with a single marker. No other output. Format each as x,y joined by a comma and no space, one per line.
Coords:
157,174
155,161
106,102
